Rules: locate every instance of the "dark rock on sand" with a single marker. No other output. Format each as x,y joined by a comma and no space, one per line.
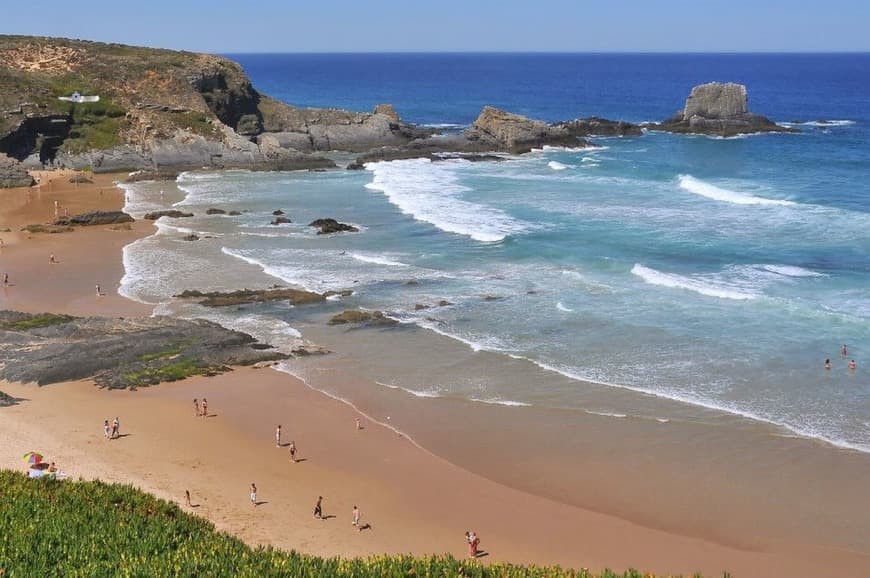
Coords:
718,109
360,317
215,212
7,400
191,237
96,218
13,173
328,226
119,353
234,213
172,213
248,296
280,221
41,228
80,180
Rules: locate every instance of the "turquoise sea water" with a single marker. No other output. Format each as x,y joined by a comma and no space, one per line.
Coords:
716,272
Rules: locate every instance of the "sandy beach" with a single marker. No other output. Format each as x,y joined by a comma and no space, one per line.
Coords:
414,500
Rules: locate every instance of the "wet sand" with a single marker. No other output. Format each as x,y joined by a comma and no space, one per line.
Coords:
541,486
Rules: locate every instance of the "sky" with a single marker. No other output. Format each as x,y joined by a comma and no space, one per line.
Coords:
228,27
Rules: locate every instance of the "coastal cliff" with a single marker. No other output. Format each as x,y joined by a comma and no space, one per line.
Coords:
163,111
159,110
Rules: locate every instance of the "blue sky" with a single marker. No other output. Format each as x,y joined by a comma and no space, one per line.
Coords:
453,25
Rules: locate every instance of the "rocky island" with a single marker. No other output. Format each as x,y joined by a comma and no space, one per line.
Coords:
719,109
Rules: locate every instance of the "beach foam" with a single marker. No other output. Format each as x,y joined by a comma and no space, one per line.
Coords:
561,307
703,286
557,166
710,191
431,192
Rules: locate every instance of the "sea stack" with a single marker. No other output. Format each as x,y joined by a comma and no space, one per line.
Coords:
718,109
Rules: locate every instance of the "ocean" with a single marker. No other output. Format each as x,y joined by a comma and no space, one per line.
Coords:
716,273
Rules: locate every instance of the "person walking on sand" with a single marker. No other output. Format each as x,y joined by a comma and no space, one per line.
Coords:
204,407
52,260
355,521
253,494
358,426
99,291
318,509
187,498
6,278
278,436
293,451
116,428
843,351
196,407
852,366
106,429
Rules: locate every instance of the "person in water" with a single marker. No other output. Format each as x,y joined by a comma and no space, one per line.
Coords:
827,364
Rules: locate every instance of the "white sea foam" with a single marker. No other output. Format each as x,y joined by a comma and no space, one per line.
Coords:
377,259
606,413
819,123
557,166
791,271
561,307
431,192
703,286
704,189
430,393
689,399
505,402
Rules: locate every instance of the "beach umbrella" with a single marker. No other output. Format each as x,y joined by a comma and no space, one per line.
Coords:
32,457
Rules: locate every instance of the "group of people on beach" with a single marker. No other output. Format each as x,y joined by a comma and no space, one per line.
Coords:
113,431
200,409
844,351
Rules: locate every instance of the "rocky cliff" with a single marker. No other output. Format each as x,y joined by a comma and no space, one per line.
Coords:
718,109
160,110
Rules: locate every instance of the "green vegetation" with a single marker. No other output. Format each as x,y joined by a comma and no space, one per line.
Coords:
180,369
196,122
36,321
172,350
66,528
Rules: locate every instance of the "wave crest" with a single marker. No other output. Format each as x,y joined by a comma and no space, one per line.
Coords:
704,189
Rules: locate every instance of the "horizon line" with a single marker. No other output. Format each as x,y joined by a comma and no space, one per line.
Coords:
557,52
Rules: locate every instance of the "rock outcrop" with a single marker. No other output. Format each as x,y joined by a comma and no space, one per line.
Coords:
119,353
95,218
360,317
249,296
329,226
498,130
719,109
171,213
13,173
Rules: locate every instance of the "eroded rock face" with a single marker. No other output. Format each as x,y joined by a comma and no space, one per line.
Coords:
716,100
718,109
